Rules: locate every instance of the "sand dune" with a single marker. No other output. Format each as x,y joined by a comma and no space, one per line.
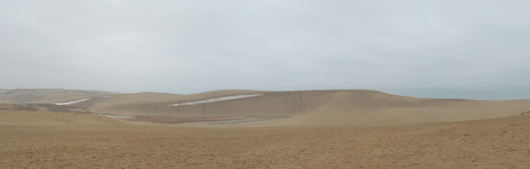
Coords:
296,129
327,108
303,108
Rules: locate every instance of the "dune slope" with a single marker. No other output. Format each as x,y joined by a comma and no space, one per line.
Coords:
328,108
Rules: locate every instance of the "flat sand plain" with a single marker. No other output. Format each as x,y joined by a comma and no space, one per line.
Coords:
91,141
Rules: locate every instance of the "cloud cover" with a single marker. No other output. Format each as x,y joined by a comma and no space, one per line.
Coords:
263,45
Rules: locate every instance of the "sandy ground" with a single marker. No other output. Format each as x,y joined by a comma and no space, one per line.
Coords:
301,129
91,141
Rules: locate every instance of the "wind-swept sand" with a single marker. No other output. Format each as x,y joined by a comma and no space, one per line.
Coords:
321,129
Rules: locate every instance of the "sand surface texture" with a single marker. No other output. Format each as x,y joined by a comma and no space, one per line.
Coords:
494,143
301,129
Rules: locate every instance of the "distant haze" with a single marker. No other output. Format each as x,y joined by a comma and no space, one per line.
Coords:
195,46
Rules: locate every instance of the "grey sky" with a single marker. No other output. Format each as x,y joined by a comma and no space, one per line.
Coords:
263,45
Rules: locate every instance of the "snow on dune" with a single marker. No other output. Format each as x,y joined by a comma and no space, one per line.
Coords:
73,102
216,99
106,115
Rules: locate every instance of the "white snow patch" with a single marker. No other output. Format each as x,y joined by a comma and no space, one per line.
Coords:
73,102
215,99
114,116
232,123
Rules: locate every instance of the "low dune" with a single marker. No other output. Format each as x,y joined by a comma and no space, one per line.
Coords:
296,108
323,108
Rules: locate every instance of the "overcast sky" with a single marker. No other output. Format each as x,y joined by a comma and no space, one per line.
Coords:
264,45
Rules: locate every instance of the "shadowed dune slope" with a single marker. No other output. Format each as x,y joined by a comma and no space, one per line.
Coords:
376,108
327,108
